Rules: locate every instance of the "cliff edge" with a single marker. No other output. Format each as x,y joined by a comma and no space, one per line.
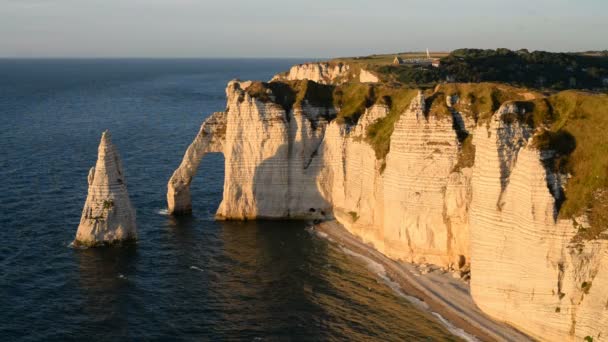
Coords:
482,176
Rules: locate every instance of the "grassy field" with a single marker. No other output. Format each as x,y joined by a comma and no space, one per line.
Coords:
387,58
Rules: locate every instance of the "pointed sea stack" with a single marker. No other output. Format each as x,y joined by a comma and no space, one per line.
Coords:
108,216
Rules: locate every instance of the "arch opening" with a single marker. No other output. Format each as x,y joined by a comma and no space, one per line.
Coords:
207,186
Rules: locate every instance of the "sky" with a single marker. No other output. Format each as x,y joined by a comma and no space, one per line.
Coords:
284,28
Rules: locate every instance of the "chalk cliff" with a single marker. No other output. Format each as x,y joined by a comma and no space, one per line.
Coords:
108,216
422,202
323,73
367,77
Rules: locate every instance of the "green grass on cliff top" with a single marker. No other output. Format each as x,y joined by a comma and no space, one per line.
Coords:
572,123
578,132
385,59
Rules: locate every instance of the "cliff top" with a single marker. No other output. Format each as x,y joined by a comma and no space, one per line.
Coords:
570,123
537,69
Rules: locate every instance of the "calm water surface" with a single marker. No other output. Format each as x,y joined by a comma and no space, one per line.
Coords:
187,279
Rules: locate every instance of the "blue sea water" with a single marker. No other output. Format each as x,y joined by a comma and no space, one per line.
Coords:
186,279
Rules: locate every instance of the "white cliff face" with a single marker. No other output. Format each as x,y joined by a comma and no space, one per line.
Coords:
367,77
107,216
323,73
418,205
525,268
269,155
413,207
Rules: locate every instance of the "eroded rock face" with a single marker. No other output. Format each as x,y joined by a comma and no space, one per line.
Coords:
323,73
367,77
412,206
108,216
419,204
210,138
526,269
269,154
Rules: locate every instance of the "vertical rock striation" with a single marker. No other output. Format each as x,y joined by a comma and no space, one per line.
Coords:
107,216
526,268
412,206
269,154
489,205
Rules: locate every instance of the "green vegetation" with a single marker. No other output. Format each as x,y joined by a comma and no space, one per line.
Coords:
288,94
436,105
532,69
480,100
573,125
352,99
383,59
538,69
419,75
586,286
379,133
354,216
466,155
107,204
570,123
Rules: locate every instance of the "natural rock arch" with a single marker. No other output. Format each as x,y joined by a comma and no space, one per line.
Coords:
209,139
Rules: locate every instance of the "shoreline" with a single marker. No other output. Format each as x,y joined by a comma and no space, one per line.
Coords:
440,292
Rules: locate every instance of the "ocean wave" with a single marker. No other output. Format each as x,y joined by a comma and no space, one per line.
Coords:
163,212
454,330
380,271
73,246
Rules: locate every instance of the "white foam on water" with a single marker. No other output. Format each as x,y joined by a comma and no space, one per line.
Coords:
371,265
163,212
323,235
73,246
121,276
379,270
454,330
196,268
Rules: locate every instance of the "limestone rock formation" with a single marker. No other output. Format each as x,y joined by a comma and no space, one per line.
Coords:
367,77
323,73
408,209
108,216
210,138
269,157
421,203
526,268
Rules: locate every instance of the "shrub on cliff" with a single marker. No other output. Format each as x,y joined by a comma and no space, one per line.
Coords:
533,69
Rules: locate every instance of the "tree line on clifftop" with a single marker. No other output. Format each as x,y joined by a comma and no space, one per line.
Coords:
538,69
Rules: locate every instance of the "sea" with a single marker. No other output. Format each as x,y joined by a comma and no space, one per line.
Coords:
187,278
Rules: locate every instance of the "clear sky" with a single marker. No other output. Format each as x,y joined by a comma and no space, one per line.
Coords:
283,28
